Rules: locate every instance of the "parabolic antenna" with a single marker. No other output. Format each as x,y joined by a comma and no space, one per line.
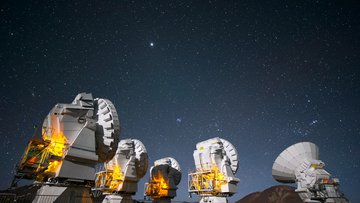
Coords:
169,161
119,179
216,161
290,159
107,130
123,154
142,160
174,164
165,175
80,134
75,137
232,154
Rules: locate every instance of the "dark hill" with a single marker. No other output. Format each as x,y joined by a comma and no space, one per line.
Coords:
275,194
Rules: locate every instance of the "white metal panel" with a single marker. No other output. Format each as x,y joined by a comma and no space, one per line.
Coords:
108,119
285,164
142,159
232,153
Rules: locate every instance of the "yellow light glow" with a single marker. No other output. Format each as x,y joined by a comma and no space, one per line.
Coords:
208,181
53,166
158,186
117,178
43,157
314,166
110,180
56,147
57,144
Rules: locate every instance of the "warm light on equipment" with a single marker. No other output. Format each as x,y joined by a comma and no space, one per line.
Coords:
42,157
216,162
118,181
158,187
75,137
165,175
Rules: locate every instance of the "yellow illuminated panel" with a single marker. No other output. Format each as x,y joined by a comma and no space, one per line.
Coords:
56,147
314,166
110,180
57,144
158,187
43,157
207,181
117,178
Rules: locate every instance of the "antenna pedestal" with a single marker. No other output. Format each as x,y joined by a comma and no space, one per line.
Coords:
120,198
305,195
162,200
52,193
213,199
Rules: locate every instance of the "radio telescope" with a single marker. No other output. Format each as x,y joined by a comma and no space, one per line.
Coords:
122,173
165,175
300,164
216,162
75,137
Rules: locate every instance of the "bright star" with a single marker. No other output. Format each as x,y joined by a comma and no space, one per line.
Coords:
151,44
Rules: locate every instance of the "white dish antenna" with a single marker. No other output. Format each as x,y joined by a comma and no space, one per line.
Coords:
173,163
232,154
290,159
168,161
140,155
108,130
142,160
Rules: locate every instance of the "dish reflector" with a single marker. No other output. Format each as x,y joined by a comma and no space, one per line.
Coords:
108,130
142,159
232,154
174,164
284,167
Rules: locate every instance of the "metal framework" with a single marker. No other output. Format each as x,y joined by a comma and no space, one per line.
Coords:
206,183
39,156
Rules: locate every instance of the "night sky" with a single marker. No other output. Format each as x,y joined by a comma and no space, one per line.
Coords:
262,74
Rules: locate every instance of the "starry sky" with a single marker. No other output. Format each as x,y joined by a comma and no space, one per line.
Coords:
262,74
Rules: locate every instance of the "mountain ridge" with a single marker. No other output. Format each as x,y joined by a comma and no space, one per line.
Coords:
274,194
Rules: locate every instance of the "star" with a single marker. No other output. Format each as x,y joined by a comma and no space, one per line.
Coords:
152,44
